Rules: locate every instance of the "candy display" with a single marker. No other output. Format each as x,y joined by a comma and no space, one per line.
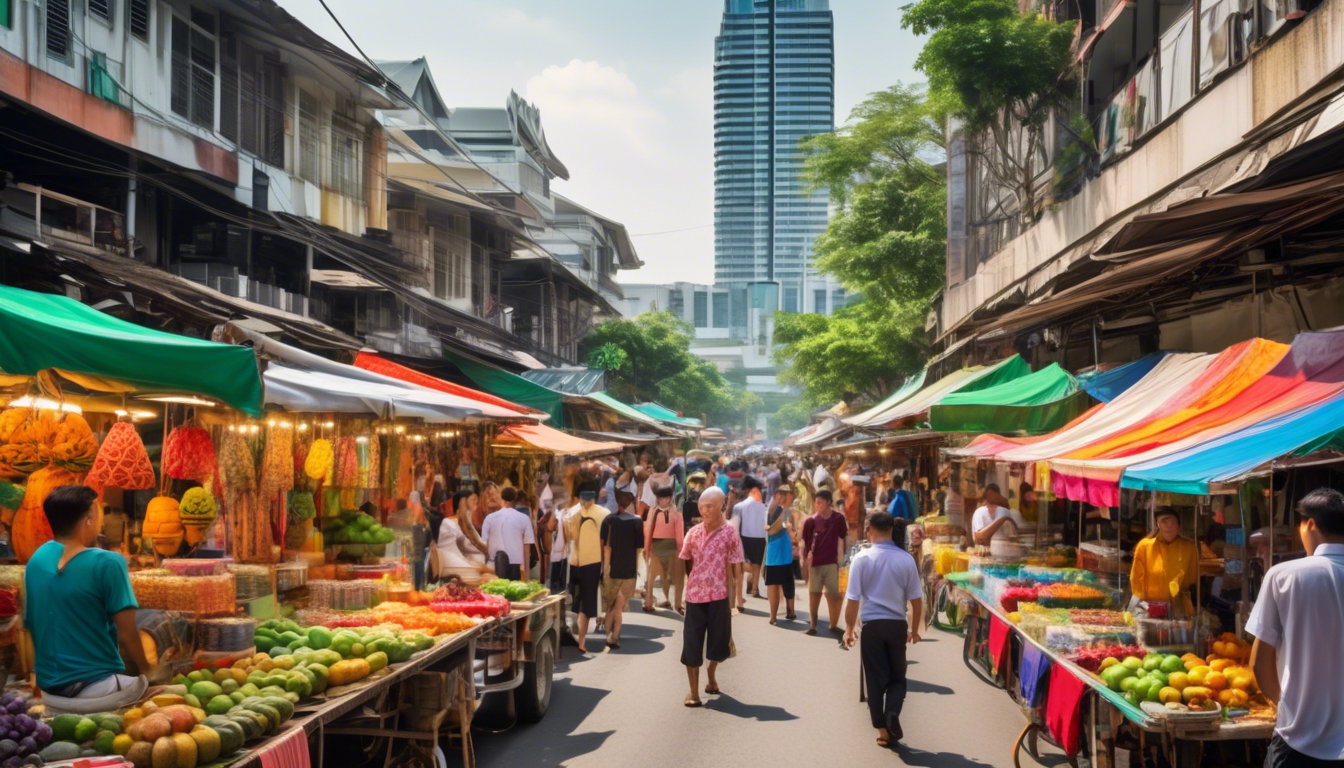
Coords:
201,595
456,598
1065,595
252,581
197,567
1011,596
345,595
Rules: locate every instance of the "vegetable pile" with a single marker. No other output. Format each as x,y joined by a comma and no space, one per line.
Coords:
513,591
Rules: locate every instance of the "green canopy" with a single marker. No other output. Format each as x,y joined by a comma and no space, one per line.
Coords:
42,331
664,413
1038,402
512,387
625,410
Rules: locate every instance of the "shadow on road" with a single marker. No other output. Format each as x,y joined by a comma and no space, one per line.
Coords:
759,712
637,640
919,686
559,744
918,757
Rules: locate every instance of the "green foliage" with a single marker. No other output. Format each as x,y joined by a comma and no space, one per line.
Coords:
608,357
791,417
861,352
658,365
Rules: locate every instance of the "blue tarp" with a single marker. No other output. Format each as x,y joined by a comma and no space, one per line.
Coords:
1108,385
1192,470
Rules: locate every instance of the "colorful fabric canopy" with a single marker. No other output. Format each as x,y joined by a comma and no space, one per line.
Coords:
370,361
910,387
1197,469
1038,402
1108,385
40,331
304,390
544,438
664,413
511,387
914,406
624,410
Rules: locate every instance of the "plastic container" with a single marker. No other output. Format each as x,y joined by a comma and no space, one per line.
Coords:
251,581
290,576
185,566
225,635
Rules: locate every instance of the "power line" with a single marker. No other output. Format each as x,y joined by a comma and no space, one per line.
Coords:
671,231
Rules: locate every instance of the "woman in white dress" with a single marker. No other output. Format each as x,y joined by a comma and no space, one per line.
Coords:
461,552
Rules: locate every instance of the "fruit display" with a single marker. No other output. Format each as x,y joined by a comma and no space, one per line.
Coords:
122,461
1067,595
351,527
345,595
1185,681
456,598
22,737
513,591
1092,658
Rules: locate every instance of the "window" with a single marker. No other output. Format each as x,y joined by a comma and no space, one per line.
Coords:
452,257
676,302
309,139
228,87
347,156
819,301
701,309
193,72
720,303
58,29
137,13
791,300
837,299
101,9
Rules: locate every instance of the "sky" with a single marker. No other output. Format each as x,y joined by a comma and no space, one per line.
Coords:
625,91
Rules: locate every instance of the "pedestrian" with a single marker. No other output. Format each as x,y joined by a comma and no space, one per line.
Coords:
583,530
780,536
1297,619
882,579
622,540
509,531
713,551
902,506
664,533
824,537
458,552
80,597
751,514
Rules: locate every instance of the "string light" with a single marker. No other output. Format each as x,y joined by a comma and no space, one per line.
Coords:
329,424
303,427
43,404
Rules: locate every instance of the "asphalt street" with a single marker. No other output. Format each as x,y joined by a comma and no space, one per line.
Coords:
788,699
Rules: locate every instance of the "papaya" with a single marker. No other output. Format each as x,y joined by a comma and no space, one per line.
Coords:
165,753
376,661
187,752
141,754
272,714
208,744
285,708
230,734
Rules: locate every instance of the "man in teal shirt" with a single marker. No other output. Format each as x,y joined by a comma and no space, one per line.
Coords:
79,605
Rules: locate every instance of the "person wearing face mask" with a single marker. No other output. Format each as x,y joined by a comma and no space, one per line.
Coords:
664,533
1166,564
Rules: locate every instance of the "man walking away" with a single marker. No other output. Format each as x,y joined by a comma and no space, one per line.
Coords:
751,512
902,506
882,579
664,533
714,552
583,530
1298,624
509,531
780,536
823,545
622,540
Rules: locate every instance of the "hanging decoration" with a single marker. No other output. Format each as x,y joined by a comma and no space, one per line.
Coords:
198,511
188,454
163,525
318,464
122,462
374,476
32,439
347,463
236,464
277,462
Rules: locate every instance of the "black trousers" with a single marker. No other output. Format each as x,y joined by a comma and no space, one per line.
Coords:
707,633
1281,755
882,646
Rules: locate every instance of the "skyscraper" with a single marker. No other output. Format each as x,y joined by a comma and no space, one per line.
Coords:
774,83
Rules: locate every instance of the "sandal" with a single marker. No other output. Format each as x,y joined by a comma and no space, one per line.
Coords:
773,622
883,743
681,610
649,609
712,691
665,604
691,701
791,616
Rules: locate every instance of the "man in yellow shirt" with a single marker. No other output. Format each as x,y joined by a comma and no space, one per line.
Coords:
1166,564
583,531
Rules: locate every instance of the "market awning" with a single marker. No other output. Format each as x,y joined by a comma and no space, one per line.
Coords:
1198,470
544,438
664,413
1310,372
370,361
1110,384
914,407
512,387
824,431
40,332
626,411
1038,402
910,387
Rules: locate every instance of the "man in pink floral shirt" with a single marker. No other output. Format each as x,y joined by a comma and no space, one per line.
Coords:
715,552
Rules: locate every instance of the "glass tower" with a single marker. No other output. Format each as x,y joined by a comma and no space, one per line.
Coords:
774,83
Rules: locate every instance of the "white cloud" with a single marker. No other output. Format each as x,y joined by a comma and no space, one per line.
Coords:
593,102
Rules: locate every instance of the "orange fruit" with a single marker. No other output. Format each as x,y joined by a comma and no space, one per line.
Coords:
1192,663
1233,698
1215,681
1219,665
1169,694
1198,674
1178,680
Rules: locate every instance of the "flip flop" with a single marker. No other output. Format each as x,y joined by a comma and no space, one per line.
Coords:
692,702
712,691
649,609
812,631
791,616
883,743
773,622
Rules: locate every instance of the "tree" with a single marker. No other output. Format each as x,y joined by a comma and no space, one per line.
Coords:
864,351
1001,73
656,364
887,242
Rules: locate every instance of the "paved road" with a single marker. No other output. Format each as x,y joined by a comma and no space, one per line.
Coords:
788,699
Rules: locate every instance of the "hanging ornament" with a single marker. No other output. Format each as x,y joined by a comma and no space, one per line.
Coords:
188,454
122,462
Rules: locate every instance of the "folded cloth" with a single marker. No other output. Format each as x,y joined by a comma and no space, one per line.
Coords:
287,751
1035,666
998,640
115,692
1064,709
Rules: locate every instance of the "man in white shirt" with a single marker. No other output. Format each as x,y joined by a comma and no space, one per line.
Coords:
992,521
509,531
750,516
1298,624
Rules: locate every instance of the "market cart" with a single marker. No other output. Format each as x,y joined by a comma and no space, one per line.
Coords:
1108,712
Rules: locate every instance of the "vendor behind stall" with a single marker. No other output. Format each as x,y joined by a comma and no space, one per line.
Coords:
993,520
80,607
1166,564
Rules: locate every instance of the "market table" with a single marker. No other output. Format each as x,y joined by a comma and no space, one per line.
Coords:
1169,729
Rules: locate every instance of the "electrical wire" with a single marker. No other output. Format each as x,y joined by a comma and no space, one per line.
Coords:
671,231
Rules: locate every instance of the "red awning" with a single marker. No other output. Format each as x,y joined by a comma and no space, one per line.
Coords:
378,364
555,441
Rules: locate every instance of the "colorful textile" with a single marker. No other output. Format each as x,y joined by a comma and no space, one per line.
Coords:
999,633
1033,670
1064,710
1110,384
